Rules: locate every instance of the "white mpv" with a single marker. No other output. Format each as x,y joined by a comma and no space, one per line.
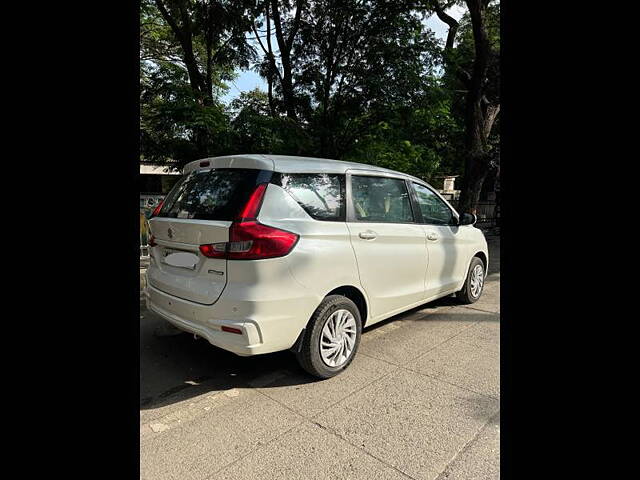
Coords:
261,253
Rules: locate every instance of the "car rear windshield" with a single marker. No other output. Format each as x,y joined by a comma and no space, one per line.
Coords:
216,194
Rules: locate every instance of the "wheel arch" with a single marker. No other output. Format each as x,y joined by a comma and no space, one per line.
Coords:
357,296
483,257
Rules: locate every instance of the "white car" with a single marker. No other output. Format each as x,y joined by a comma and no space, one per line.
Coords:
261,253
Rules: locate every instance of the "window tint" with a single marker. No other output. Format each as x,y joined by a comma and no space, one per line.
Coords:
434,211
321,195
379,199
216,194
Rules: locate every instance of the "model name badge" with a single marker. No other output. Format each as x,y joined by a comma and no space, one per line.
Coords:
182,259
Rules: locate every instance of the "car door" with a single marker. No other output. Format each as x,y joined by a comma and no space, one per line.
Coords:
389,245
447,243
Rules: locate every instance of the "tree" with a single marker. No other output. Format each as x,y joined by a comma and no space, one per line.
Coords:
285,16
253,127
173,123
189,48
355,61
474,67
360,80
211,35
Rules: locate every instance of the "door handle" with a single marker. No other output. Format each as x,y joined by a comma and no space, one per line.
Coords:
368,235
432,236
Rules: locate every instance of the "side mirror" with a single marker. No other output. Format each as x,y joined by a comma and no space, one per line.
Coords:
467,219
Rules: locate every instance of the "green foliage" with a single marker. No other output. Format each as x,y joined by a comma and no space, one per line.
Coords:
181,116
411,140
173,123
370,83
255,131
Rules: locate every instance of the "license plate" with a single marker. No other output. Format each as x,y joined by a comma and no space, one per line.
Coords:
180,258
169,251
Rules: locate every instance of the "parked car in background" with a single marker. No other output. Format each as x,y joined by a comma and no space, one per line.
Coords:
262,253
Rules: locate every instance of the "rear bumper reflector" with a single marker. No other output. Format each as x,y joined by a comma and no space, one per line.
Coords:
231,330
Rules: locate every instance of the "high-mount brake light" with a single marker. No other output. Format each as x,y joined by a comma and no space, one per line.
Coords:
250,239
205,163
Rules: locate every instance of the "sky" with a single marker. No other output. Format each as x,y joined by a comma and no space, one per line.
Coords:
248,80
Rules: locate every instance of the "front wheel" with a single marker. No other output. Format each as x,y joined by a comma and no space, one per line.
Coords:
474,283
331,338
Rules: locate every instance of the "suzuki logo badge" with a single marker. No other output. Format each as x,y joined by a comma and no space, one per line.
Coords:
170,232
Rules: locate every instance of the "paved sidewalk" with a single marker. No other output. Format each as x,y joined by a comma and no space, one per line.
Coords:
420,401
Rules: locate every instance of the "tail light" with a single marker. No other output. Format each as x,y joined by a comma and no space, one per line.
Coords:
152,241
250,239
214,250
253,241
156,210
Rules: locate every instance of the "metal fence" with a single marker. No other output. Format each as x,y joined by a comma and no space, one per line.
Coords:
488,213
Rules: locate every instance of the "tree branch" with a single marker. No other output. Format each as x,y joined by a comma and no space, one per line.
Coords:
449,20
296,24
183,35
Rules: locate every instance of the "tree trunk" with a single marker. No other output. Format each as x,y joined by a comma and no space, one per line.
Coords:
285,56
272,109
185,37
475,174
273,68
480,115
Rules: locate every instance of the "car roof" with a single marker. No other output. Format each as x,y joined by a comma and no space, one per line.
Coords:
290,164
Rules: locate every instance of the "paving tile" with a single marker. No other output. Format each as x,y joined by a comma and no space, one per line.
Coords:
411,335
308,396
490,298
462,363
308,452
484,335
414,423
201,445
480,460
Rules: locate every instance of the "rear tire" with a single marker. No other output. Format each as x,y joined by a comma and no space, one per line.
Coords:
331,338
474,283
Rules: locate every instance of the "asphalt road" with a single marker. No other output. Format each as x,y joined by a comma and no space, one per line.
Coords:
420,401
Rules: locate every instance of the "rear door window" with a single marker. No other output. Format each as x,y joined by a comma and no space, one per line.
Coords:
216,194
381,199
321,195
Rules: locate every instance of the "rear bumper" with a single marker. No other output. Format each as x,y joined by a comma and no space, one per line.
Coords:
266,326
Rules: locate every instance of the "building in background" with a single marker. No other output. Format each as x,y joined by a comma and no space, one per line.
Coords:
488,208
448,190
154,183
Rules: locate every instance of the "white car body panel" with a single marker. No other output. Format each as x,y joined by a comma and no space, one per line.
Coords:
392,266
271,300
